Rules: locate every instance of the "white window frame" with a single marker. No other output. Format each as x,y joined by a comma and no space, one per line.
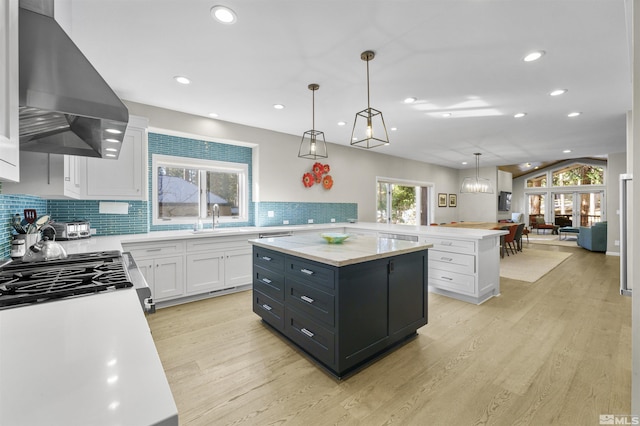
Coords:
404,182
203,165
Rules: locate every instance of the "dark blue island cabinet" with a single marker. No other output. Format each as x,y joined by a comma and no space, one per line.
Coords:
342,317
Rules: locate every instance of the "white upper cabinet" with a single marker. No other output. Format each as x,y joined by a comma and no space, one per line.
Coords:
124,178
9,133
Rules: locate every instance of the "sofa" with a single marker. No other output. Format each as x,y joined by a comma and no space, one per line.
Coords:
594,237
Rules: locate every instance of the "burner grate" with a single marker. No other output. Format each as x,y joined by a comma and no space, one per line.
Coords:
26,283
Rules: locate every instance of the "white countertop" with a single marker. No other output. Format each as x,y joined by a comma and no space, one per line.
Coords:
250,232
88,360
355,249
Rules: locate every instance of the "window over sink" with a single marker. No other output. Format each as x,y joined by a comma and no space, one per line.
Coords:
185,189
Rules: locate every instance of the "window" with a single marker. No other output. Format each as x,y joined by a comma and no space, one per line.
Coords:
402,202
577,175
185,189
537,182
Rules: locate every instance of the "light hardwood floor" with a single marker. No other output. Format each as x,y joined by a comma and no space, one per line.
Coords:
557,351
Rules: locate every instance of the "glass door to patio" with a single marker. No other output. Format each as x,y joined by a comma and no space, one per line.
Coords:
577,208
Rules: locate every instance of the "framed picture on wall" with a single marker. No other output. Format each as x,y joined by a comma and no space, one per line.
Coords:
442,200
453,200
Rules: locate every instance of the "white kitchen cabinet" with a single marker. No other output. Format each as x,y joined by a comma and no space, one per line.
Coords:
162,265
164,276
124,178
47,175
238,267
465,269
9,127
218,263
205,272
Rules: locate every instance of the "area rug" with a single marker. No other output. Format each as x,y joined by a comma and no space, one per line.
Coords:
530,265
553,240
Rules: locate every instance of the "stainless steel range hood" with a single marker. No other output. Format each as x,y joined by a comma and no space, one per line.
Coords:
65,105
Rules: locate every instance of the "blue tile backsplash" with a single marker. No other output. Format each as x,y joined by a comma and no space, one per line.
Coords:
139,218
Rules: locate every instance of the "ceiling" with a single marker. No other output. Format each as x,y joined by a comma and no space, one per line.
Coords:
463,57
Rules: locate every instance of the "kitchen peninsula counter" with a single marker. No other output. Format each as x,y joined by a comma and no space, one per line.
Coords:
345,305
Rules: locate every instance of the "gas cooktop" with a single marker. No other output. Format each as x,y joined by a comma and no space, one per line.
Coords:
24,283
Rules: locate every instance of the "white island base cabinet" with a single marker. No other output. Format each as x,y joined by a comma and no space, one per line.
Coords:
467,270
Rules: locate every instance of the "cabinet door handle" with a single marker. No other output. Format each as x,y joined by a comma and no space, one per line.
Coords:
267,258
306,271
267,307
307,332
266,280
447,278
307,299
447,259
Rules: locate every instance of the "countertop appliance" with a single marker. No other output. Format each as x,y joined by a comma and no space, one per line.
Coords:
71,230
83,274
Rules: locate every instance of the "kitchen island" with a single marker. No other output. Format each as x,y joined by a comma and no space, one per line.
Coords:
345,305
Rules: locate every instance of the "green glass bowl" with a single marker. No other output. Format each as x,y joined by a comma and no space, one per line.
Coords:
334,237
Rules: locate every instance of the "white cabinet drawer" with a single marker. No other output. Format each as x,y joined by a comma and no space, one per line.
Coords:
452,281
455,262
154,249
451,245
217,243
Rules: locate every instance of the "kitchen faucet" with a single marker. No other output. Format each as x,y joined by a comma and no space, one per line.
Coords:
216,211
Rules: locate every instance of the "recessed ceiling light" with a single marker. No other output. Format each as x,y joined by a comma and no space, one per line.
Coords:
536,167
224,15
566,151
278,106
393,129
110,155
181,79
528,165
410,100
213,115
113,131
519,115
446,114
112,140
111,150
573,114
464,163
534,56
342,123
354,138
558,92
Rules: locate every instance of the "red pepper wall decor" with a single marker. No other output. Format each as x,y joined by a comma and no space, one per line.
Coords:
319,174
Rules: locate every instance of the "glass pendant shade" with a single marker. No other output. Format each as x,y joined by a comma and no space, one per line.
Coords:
313,144
369,130
477,184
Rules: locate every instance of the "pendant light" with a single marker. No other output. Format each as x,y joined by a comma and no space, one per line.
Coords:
369,130
313,145
476,185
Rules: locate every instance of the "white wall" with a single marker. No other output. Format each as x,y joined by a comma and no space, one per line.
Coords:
616,166
280,171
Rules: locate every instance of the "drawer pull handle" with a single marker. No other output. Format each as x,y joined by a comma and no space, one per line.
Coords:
306,271
307,299
267,307
266,280
447,278
307,332
447,259
267,258
446,243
